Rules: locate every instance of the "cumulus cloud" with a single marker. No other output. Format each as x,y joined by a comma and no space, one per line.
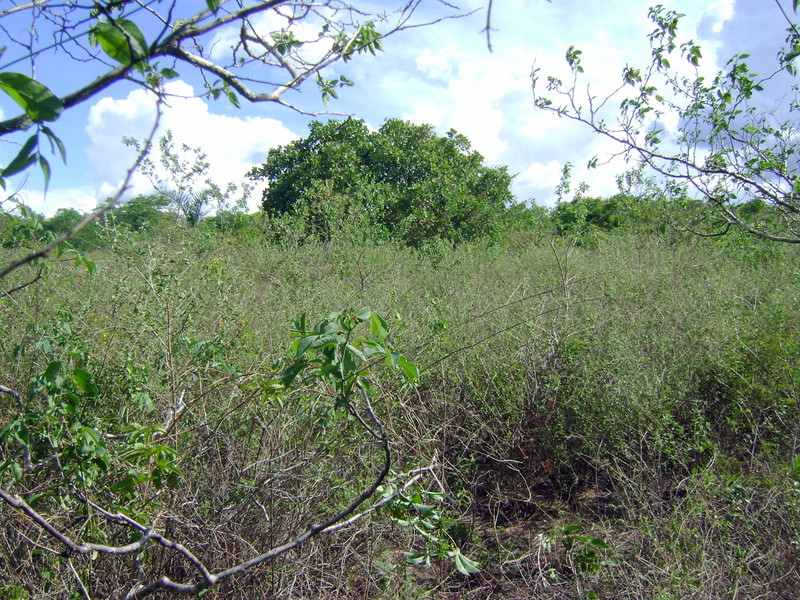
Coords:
438,64
82,199
233,144
488,96
445,76
450,80
718,13
539,175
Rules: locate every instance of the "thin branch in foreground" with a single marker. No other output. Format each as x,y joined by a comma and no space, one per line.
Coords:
13,394
24,285
124,187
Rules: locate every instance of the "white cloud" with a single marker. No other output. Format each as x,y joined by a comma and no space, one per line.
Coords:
720,11
306,31
438,64
455,82
538,176
233,144
82,199
469,99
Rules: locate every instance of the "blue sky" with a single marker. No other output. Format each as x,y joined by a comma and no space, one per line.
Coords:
443,75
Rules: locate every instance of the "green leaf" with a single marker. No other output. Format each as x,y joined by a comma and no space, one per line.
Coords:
321,341
55,142
122,40
24,158
598,543
378,327
88,263
45,165
418,558
357,352
292,371
304,345
168,73
52,371
213,5
234,99
84,382
72,402
410,369
38,102
465,566
17,472
6,430
425,510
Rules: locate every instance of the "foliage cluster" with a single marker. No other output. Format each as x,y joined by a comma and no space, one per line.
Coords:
404,179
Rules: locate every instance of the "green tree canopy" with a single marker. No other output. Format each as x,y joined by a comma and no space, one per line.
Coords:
415,184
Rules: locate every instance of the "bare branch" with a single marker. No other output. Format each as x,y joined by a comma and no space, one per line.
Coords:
13,394
192,30
124,186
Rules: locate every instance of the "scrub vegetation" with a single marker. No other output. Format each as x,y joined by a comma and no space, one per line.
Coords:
393,381
579,409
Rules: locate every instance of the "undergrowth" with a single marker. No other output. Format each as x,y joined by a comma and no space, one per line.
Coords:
614,420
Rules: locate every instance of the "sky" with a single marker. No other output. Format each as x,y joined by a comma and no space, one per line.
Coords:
443,75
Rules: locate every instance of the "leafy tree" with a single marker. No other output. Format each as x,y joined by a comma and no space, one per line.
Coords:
276,46
67,218
141,213
591,212
180,179
731,152
64,220
415,184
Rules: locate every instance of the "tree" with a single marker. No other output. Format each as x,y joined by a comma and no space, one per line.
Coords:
272,47
67,218
415,184
180,178
727,150
140,213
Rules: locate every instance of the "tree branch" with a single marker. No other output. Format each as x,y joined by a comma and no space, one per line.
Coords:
124,186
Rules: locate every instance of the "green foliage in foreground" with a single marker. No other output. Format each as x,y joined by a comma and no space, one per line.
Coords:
615,417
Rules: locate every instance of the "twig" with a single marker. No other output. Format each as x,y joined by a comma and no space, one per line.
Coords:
13,394
45,250
24,285
78,579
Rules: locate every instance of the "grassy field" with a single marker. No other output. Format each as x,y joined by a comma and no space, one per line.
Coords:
615,418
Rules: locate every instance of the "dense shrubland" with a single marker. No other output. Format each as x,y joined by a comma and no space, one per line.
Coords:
583,402
607,409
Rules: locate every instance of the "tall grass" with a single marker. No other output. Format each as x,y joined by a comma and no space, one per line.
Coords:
644,388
